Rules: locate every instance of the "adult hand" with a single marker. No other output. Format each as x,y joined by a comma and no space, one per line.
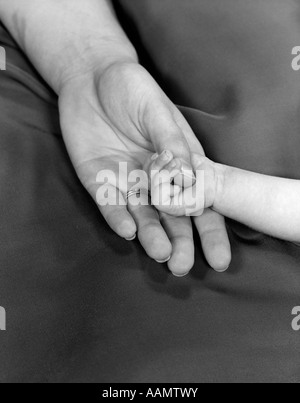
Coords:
122,115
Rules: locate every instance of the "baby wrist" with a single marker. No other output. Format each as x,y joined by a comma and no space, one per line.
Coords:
219,185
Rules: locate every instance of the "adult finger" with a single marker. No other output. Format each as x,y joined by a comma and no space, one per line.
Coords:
163,131
180,233
214,238
151,234
116,214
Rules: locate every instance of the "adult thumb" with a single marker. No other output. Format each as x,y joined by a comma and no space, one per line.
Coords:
165,134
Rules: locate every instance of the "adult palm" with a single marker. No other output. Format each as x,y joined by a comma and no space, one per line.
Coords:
122,115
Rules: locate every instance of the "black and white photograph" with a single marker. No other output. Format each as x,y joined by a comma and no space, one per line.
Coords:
149,194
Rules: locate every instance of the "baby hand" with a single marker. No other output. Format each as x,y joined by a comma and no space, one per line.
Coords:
174,190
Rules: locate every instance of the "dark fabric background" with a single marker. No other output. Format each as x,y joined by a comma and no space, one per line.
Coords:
85,306
231,58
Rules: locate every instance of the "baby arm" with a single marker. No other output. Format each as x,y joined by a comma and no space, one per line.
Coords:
267,204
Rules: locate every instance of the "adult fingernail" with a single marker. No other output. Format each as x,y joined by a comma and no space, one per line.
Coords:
180,275
163,261
186,166
187,169
189,175
188,172
222,270
130,239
